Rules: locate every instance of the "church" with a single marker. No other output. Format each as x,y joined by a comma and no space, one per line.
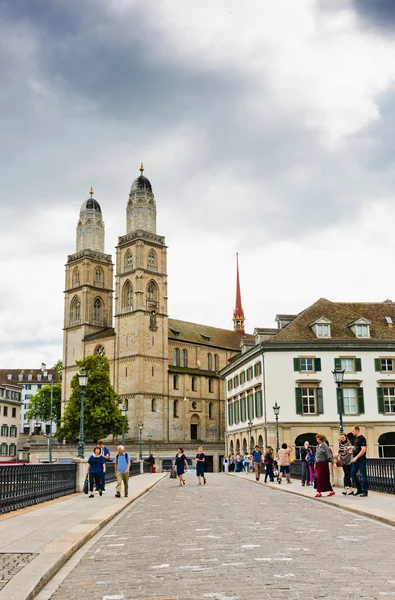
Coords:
164,370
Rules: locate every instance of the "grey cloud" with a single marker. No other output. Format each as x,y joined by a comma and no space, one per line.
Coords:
377,13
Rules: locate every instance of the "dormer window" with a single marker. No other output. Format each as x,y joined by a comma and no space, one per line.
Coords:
321,327
38,377
361,328
9,376
30,377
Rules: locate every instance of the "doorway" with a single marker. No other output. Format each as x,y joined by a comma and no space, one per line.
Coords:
194,431
209,464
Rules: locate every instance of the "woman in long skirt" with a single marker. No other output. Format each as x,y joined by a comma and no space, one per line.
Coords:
181,465
323,457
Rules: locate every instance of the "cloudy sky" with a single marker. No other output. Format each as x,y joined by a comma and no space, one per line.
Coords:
263,126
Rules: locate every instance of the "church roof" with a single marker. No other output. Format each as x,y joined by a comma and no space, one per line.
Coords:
141,183
106,332
206,335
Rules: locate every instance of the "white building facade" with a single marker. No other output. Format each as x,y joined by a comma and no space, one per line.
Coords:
10,407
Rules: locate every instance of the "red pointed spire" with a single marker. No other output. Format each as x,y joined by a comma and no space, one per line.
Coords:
238,313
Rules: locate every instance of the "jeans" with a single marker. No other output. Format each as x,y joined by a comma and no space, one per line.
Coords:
305,471
362,483
269,473
347,475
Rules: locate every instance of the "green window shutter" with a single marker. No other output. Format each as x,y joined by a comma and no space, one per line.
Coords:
338,363
380,400
320,401
317,364
298,401
230,414
260,404
358,364
252,406
361,402
377,364
296,364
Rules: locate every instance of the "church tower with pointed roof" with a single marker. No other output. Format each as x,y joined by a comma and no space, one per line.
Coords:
238,313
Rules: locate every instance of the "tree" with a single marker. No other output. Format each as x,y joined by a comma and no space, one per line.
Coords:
102,415
40,404
59,366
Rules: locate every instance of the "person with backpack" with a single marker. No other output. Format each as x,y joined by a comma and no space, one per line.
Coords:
97,465
122,466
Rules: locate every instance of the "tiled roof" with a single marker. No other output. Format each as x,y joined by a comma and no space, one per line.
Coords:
4,382
279,317
206,335
107,332
341,314
25,372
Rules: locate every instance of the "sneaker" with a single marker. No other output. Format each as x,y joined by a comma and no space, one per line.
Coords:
363,495
355,493
104,491
96,491
302,482
117,495
279,480
91,496
344,493
332,493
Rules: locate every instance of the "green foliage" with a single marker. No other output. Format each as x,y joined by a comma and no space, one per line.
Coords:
102,415
59,366
40,404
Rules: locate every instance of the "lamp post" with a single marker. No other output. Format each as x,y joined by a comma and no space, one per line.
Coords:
149,443
50,427
250,424
141,447
124,412
276,409
82,380
338,375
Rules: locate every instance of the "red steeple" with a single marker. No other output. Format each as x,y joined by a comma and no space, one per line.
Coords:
238,313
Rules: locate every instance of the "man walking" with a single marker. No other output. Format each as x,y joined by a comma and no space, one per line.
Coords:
122,466
305,464
257,462
358,463
105,453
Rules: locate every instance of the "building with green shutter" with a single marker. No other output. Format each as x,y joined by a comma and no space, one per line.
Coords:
293,364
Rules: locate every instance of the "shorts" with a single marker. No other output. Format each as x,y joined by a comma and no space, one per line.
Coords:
284,469
200,470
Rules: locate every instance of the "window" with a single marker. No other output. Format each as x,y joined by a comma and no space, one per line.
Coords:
242,377
13,431
153,405
389,400
3,449
30,377
193,384
100,350
216,362
98,275
350,401
5,411
4,430
362,331
38,377
14,412
209,362
306,364
175,382
308,401
249,373
76,276
387,364
20,377
176,357
250,406
128,263
230,385
347,364
210,410
210,386
322,330
257,369
243,407
127,296
75,313
194,405
230,414
236,411
175,409
151,259
12,450
235,381
184,358
152,294
97,310
152,371
258,403
39,386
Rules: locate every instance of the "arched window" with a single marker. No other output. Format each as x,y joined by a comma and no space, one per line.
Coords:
153,405
209,361
128,261
97,310
216,362
75,310
175,382
193,384
98,275
231,447
210,410
176,357
175,409
244,446
126,403
210,386
152,294
127,296
184,358
260,441
76,276
151,259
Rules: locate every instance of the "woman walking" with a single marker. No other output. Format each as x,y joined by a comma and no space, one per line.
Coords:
96,471
225,463
200,464
284,462
345,455
181,466
323,457
268,462
310,457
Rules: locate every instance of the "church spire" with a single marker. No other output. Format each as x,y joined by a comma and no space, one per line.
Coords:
238,313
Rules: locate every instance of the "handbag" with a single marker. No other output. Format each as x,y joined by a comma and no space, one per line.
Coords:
291,459
85,489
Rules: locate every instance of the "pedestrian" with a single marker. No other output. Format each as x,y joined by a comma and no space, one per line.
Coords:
284,462
232,463
181,464
268,461
311,462
358,463
305,465
247,463
238,463
225,464
200,464
151,462
323,457
97,465
104,451
257,462
122,466
345,456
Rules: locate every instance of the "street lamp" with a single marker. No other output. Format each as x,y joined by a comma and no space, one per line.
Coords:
276,409
50,427
250,424
124,412
338,375
149,442
141,447
82,380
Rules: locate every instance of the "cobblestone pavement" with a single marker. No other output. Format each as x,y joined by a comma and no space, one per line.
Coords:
234,540
11,564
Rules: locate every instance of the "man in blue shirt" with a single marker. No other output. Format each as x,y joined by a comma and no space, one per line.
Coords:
104,451
257,462
122,466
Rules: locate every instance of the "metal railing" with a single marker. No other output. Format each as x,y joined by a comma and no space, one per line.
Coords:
134,470
25,485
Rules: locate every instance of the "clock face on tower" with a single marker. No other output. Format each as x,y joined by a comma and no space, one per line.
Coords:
100,350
